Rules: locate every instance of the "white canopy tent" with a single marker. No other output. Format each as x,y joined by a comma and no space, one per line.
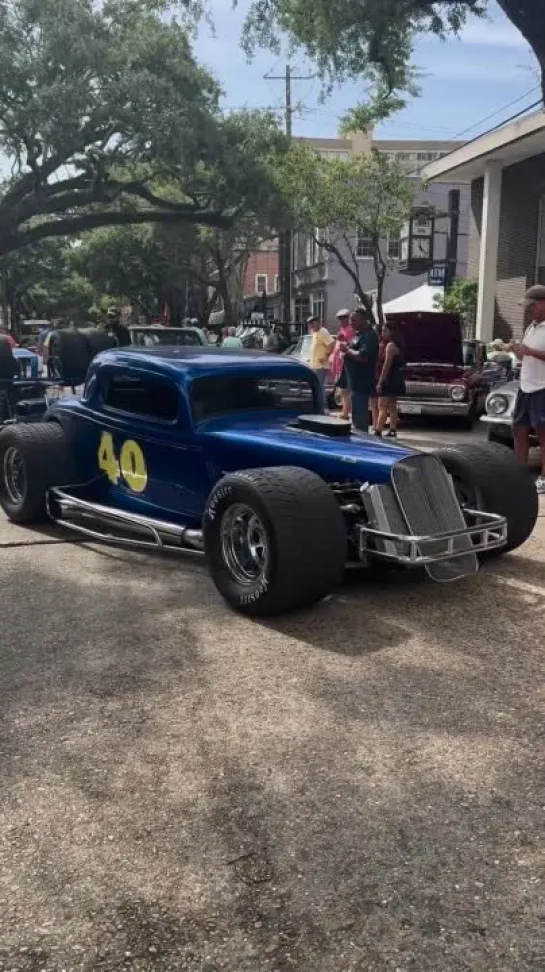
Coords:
421,299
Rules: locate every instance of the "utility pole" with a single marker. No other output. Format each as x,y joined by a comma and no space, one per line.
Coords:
285,239
452,236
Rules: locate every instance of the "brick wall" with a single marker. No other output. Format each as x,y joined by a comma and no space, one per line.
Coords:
523,186
264,262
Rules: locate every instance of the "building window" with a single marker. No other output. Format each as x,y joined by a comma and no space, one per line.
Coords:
277,283
540,262
364,248
261,283
302,309
393,246
318,305
313,254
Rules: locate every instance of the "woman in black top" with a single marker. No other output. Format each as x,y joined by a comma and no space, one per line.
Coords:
390,383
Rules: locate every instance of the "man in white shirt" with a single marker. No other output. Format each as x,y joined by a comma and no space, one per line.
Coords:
530,405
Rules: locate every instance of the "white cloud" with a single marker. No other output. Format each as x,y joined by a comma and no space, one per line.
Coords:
490,34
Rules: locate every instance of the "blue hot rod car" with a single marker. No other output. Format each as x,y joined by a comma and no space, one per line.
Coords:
229,453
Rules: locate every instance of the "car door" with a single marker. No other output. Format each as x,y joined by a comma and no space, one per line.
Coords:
146,451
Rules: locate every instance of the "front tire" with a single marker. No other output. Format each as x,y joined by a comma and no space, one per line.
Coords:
490,478
275,539
492,436
33,459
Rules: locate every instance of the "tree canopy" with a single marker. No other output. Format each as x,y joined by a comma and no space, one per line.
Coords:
350,39
101,104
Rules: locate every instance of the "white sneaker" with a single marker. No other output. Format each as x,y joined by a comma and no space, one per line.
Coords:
540,486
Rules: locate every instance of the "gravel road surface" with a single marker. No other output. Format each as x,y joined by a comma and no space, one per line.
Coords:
354,789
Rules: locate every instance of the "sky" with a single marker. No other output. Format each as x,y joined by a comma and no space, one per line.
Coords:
463,81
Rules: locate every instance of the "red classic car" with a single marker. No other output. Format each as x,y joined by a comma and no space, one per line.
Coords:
444,375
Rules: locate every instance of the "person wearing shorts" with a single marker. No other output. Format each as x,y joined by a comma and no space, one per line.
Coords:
530,405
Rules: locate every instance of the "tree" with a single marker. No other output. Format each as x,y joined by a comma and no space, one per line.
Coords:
350,39
99,105
335,201
461,299
42,282
160,264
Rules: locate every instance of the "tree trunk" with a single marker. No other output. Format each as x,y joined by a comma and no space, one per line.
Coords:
380,276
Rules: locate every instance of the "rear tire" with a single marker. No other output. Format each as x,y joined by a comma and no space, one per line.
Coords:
8,364
33,458
275,539
98,340
493,436
70,355
496,482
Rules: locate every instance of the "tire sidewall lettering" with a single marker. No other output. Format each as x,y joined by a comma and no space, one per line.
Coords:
220,494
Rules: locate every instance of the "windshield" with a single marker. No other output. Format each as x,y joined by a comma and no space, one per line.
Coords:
220,396
169,336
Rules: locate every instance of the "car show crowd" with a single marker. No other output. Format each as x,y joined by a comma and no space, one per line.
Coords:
361,366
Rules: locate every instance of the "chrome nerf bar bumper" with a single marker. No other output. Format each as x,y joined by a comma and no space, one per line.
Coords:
488,533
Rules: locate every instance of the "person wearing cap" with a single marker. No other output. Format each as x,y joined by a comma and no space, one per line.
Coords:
118,330
321,347
345,334
530,405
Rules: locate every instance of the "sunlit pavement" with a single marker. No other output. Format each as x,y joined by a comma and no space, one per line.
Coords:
354,788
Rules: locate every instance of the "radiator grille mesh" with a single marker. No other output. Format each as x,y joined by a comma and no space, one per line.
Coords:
429,504
427,389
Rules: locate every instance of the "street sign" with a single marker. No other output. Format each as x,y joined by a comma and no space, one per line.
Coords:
438,275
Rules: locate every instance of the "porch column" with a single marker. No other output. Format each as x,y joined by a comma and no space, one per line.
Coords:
488,257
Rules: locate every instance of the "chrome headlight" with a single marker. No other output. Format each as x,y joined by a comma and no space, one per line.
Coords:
458,393
497,405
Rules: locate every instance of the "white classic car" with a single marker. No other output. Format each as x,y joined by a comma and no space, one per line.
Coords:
500,407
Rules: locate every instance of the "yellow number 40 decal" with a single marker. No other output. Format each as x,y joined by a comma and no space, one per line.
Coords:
131,465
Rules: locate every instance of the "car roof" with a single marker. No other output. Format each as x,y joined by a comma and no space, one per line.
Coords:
163,327
192,362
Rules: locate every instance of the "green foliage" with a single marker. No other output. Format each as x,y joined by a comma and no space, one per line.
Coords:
348,39
42,282
99,104
461,299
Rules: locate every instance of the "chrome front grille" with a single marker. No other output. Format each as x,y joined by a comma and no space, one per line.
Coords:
429,504
427,389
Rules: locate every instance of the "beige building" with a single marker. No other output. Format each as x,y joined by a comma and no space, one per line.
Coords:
319,285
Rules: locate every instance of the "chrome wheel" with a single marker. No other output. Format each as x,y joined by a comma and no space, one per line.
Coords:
244,544
14,476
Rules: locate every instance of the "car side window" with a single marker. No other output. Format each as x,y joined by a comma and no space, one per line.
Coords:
141,395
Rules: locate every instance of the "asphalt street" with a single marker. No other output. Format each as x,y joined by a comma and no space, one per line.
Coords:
359,787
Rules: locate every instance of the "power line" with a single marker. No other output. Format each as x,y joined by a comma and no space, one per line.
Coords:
497,112
489,131
286,242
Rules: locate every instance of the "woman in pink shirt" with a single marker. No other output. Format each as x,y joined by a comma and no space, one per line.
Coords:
345,334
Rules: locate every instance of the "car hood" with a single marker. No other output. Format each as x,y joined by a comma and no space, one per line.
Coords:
509,388
437,372
430,337
275,442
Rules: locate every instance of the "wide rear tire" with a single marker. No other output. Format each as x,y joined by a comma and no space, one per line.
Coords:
275,539
71,355
492,478
8,364
33,459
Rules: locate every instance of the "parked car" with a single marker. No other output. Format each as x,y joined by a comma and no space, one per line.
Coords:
444,375
301,351
228,453
22,391
500,408
151,337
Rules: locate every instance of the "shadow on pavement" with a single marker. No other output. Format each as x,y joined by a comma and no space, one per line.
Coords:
186,789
